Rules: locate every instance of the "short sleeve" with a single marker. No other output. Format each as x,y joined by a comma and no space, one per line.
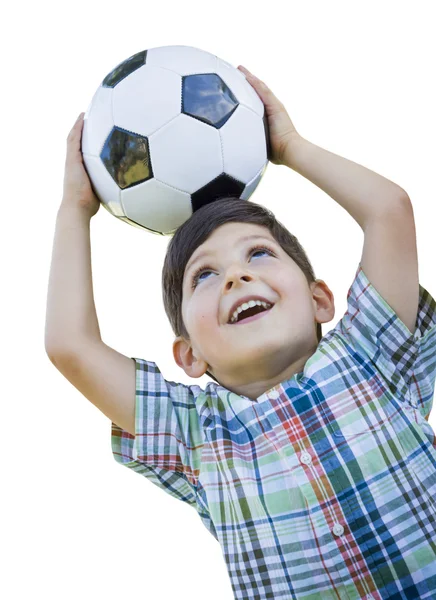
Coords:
168,441
407,361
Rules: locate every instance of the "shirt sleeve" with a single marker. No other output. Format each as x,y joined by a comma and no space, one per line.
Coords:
168,440
407,361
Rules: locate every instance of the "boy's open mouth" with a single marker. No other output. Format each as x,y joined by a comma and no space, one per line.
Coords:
251,314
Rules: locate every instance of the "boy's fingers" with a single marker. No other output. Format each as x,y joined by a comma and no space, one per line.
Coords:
76,127
268,98
259,85
74,137
250,75
244,70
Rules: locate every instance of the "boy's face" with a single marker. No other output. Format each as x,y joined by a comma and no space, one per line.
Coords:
248,356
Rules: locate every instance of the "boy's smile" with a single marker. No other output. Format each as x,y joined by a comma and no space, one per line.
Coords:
246,318
238,264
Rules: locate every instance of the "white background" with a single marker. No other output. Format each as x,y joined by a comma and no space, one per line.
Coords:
356,78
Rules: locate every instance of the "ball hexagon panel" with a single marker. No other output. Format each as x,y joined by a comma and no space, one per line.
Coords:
207,98
145,85
183,60
252,185
98,122
144,203
243,141
186,154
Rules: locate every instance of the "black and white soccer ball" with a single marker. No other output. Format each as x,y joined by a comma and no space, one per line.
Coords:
169,130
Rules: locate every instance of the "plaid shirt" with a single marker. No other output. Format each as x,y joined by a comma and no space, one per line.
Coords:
324,488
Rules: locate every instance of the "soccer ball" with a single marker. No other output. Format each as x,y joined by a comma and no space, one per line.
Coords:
169,130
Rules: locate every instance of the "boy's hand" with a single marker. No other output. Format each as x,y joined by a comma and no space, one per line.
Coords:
77,186
281,129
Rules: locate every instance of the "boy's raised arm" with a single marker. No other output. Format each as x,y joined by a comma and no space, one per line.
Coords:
71,317
72,334
71,311
71,314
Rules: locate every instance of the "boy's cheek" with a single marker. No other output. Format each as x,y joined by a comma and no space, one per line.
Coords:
198,317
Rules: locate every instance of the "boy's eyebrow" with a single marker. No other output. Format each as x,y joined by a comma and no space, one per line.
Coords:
242,239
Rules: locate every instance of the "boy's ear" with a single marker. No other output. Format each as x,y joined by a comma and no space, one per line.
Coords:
184,356
324,300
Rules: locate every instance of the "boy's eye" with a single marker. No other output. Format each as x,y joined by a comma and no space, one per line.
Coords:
197,277
261,250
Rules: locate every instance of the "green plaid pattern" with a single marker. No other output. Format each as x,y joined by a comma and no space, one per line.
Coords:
324,488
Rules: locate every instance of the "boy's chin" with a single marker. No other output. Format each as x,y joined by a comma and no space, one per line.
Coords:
255,361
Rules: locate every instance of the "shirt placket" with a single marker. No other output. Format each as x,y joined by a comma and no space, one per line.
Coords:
328,525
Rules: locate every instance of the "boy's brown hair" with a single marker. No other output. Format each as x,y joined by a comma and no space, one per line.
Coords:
195,231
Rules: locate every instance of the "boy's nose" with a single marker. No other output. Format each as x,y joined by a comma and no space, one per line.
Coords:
237,274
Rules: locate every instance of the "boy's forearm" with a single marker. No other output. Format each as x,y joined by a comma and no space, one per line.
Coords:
361,192
71,316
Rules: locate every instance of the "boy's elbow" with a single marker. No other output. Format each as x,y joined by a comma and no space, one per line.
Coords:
61,352
58,357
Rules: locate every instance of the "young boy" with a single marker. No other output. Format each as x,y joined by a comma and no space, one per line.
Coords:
309,458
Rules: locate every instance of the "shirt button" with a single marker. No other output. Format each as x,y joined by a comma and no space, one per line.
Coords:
370,597
305,458
338,529
274,394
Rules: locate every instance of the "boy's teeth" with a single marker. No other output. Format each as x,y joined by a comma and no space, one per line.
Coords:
246,305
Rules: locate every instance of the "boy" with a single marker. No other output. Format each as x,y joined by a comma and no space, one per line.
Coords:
310,458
